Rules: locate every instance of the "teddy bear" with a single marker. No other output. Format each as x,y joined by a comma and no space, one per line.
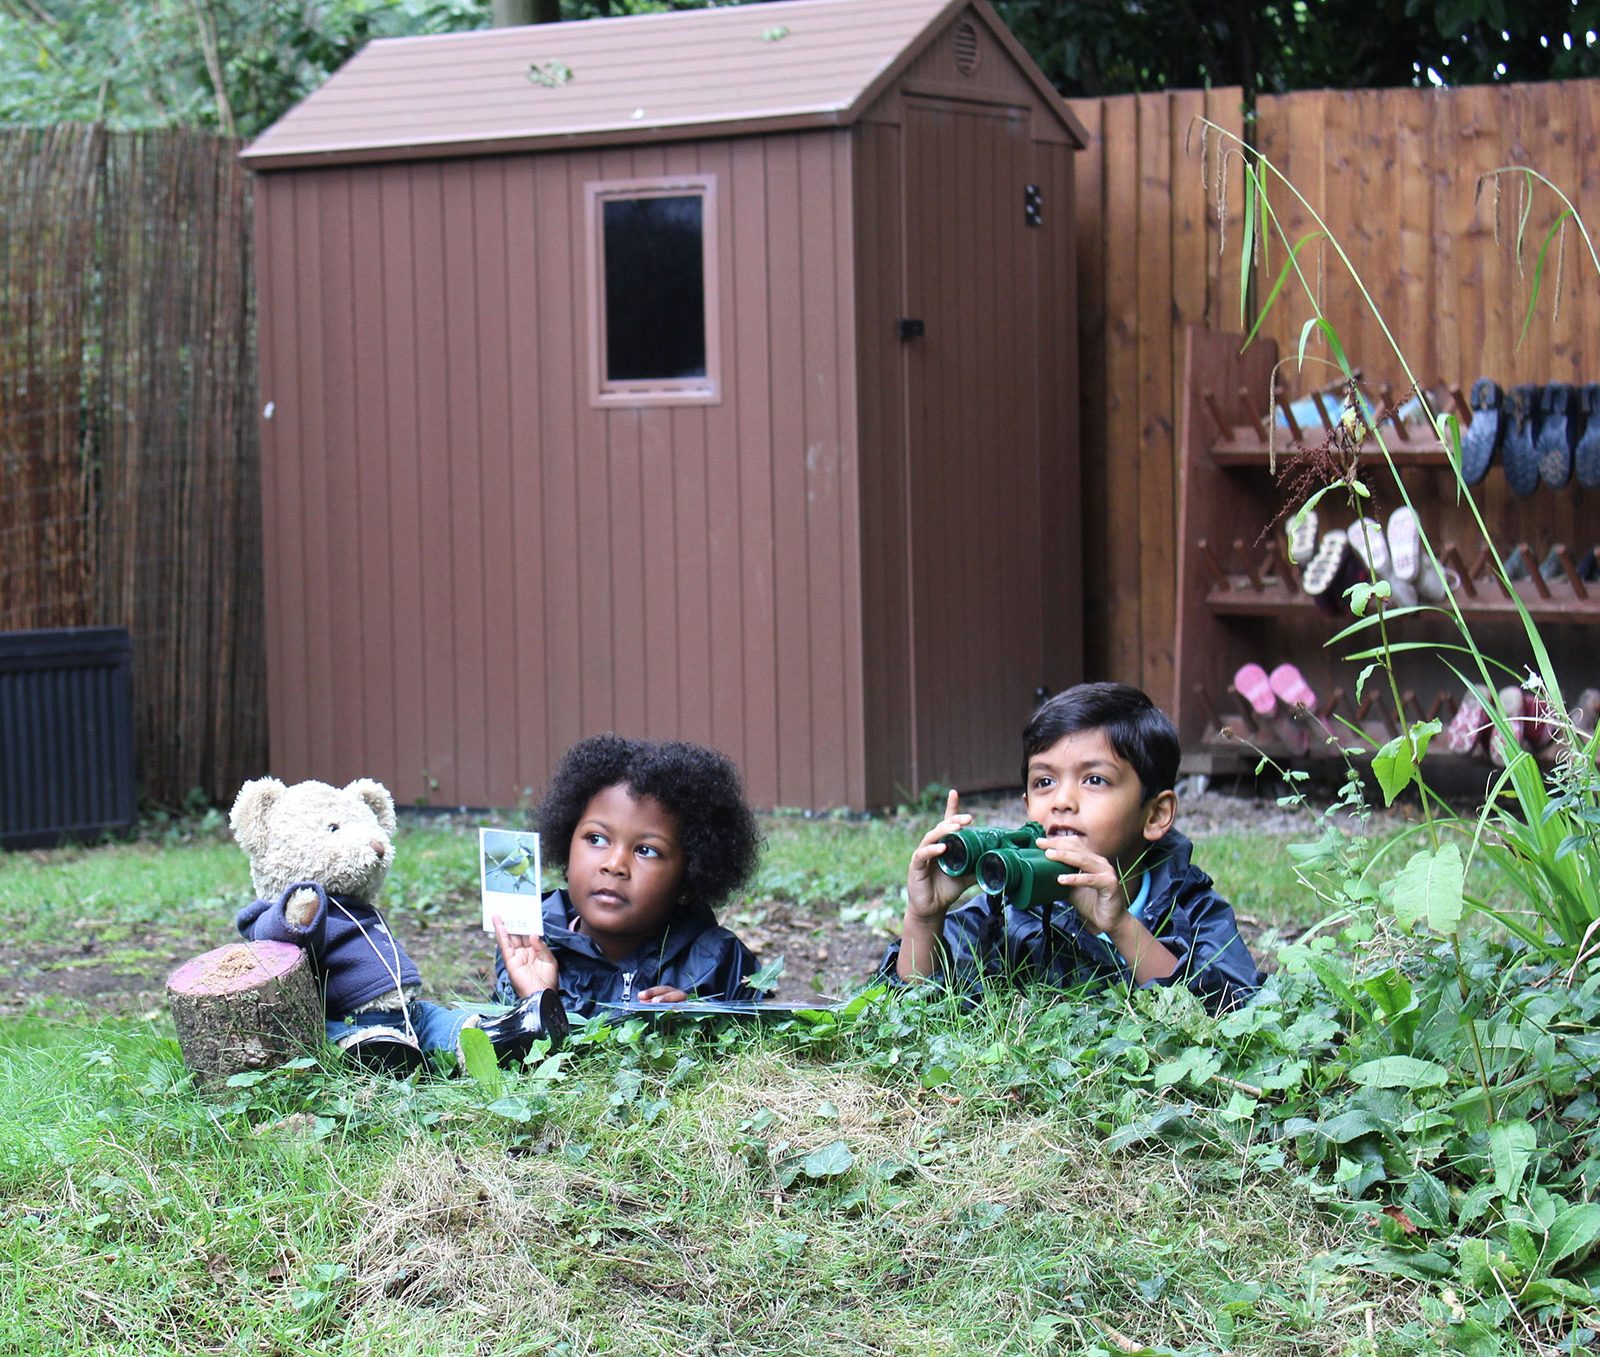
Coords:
319,856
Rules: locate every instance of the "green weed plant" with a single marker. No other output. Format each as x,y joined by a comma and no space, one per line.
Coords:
1454,1100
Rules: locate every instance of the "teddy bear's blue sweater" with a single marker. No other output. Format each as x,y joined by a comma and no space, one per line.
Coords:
356,957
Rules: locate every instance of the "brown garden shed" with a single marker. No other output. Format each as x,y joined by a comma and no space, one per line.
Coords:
707,375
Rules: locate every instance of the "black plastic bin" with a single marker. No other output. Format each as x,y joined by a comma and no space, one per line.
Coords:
66,735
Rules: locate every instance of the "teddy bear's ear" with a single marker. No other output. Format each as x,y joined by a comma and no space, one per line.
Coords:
376,795
251,810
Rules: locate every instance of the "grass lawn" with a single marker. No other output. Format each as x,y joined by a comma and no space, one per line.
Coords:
1026,1176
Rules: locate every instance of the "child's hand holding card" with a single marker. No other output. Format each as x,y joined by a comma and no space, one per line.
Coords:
509,872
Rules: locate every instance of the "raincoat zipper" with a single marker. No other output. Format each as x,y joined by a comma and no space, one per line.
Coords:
627,985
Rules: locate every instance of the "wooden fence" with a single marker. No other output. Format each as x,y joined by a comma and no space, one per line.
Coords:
1394,174
127,371
130,486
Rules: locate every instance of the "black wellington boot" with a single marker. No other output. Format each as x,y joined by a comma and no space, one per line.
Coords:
539,1016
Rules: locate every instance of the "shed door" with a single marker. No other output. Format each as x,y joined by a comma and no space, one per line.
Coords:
978,567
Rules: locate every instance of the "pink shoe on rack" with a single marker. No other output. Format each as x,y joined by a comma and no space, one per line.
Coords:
1252,684
1299,706
1291,687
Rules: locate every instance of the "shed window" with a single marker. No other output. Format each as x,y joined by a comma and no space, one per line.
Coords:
652,260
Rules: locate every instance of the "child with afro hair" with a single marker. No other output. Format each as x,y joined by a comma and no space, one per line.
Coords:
653,837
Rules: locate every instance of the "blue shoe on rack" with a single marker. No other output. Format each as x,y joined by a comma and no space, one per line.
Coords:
1586,445
1553,445
1517,451
1482,437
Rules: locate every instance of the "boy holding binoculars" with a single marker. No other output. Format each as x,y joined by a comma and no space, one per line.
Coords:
1097,887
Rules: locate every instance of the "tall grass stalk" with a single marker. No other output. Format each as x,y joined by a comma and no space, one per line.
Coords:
1539,832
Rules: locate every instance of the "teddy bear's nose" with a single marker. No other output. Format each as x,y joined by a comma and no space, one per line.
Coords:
380,848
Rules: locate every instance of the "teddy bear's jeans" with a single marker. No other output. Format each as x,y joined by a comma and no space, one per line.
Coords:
436,1027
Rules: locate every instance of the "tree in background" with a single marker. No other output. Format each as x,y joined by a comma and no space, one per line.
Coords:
236,65
1097,47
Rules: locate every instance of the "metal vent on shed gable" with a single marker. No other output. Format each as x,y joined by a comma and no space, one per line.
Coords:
967,51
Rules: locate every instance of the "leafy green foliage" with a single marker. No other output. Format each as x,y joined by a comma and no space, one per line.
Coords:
237,65
232,65
1097,47
158,63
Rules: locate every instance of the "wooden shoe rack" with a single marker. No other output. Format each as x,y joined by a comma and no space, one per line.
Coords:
1240,598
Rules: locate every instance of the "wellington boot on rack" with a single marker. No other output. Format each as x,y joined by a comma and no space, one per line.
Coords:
1302,536
1518,452
1586,449
1482,436
1469,728
1370,544
1552,445
1332,570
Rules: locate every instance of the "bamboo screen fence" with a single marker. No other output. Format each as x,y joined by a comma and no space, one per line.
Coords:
130,486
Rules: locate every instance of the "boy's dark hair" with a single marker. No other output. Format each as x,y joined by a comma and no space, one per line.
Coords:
1138,730
716,829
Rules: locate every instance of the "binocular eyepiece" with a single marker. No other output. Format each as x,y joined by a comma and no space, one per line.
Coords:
1006,862
963,848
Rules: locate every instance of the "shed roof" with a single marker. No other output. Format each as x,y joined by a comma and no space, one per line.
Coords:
650,77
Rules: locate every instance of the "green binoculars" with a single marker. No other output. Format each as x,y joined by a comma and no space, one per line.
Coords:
963,848
1006,863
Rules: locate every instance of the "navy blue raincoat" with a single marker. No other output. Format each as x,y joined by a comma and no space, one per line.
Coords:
985,941
692,953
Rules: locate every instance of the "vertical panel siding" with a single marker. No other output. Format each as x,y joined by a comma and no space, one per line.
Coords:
372,519
527,382
723,510
791,504
976,585
888,695
1125,564
538,569
395,458
1156,483
750,209
336,545
309,588
498,506
437,491
556,260
823,266
463,381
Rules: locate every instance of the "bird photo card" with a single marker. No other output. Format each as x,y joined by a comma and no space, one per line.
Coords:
509,870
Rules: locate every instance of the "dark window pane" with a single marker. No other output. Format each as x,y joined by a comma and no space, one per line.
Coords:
655,288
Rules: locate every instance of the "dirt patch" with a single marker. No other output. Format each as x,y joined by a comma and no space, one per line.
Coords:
111,977
109,972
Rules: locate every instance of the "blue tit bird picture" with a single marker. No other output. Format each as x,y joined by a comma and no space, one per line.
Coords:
510,878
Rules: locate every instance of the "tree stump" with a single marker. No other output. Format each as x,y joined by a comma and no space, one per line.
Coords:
246,1006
